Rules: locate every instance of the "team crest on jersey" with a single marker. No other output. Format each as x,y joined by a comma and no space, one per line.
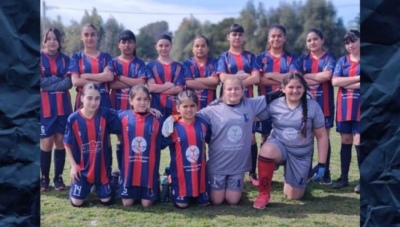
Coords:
92,147
234,134
139,145
290,133
125,90
192,154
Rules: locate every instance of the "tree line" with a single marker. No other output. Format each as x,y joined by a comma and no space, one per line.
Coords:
298,18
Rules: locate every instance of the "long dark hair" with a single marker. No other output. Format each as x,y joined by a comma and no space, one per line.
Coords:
297,76
57,33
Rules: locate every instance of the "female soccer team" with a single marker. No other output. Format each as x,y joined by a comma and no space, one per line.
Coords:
287,119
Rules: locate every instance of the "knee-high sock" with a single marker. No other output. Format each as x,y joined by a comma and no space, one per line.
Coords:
345,159
119,154
254,151
59,162
359,158
45,161
328,158
265,173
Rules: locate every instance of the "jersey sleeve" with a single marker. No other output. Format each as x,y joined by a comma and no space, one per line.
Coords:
338,72
296,65
68,134
149,72
253,63
141,72
179,80
108,58
259,62
66,66
330,62
74,64
221,64
259,105
205,113
111,65
187,72
318,118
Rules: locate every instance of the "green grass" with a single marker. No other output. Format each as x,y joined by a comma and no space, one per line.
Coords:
321,205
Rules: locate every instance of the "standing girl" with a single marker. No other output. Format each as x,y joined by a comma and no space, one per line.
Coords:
55,107
188,153
242,64
165,78
295,121
200,72
141,150
347,77
317,68
90,66
129,70
86,141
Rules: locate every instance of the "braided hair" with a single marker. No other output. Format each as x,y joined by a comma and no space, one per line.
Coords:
298,76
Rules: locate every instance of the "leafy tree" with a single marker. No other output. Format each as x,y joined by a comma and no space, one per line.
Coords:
110,38
73,41
182,43
249,20
146,39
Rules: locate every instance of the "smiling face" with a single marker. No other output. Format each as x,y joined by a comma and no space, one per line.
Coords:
353,47
276,38
200,48
233,91
140,101
51,43
90,100
293,90
314,42
89,37
163,47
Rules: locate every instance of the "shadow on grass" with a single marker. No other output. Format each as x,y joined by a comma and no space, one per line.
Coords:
318,199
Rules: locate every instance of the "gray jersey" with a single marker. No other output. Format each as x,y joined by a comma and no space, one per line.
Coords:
286,124
229,147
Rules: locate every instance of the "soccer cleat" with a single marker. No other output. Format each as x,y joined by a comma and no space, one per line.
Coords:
44,184
253,179
326,180
340,183
59,183
261,201
357,189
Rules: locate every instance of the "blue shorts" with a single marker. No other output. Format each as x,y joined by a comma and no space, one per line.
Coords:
348,127
52,125
263,127
226,182
296,168
139,193
202,199
81,189
329,121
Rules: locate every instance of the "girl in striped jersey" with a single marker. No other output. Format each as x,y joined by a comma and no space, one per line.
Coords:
129,70
90,66
317,68
86,142
200,72
188,153
141,150
347,77
55,107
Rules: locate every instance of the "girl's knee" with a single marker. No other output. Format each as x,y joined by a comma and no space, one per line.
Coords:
146,203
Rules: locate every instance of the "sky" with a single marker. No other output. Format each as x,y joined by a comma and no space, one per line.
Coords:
134,14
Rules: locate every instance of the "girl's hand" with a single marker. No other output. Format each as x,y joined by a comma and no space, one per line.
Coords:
155,112
75,173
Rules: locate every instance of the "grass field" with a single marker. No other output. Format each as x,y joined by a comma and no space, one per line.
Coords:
321,205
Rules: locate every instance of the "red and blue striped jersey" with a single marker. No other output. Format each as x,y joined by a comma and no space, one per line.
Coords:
162,73
348,100
54,103
188,157
268,63
88,139
141,149
132,69
194,70
232,63
82,63
322,93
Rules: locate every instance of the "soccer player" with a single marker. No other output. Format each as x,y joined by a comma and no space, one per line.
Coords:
128,70
295,121
347,77
55,107
200,72
317,68
141,150
165,78
188,153
90,66
242,64
274,64
86,142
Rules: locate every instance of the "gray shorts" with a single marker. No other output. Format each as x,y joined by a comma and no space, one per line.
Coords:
226,182
296,168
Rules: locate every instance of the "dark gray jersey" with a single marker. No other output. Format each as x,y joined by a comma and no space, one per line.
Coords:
229,147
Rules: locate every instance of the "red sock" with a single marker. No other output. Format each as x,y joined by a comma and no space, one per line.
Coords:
265,172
